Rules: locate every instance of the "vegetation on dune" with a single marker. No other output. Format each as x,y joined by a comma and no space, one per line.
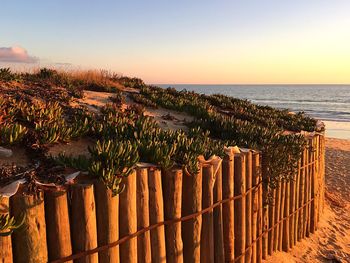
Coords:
39,123
143,100
199,105
239,122
124,137
134,83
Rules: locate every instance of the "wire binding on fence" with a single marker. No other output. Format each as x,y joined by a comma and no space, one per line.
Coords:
142,231
182,219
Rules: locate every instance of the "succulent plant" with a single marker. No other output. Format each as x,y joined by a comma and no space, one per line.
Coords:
111,161
143,100
11,133
8,224
80,162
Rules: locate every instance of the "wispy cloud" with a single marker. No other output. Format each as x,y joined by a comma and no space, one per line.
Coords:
16,55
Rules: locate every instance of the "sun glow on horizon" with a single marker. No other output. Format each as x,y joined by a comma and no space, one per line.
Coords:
228,42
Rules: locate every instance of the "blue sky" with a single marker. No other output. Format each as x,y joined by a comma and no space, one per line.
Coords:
187,41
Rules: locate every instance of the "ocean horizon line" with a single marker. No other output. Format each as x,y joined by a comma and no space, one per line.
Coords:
253,84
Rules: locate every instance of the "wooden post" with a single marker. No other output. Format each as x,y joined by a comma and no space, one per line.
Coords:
228,208
301,197
319,176
322,173
172,189
314,187
57,225
219,252
277,216
260,224
265,223
191,229
308,191
5,241
297,202
257,167
248,212
285,230
240,209
107,216
29,242
305,192
265,239
310,175
83,223
292,208
311,171
319,171
255,207
128,219
142,196
281,225
275,213
156,212
319,179
207,234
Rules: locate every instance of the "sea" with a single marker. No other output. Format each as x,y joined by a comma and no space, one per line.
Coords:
329,103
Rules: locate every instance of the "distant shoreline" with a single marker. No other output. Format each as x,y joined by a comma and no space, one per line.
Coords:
243,84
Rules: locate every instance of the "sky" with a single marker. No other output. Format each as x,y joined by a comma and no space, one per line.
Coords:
183,41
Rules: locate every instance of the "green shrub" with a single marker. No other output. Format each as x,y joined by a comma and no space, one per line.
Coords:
7,75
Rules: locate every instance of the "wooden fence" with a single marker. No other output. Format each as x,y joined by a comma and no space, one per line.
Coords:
218,215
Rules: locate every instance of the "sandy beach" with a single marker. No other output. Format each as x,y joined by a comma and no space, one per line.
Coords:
331,242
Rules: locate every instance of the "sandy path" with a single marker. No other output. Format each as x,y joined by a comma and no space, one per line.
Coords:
331,242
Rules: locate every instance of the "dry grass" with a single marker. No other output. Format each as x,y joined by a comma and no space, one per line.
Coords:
68,76
101,77
91,78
